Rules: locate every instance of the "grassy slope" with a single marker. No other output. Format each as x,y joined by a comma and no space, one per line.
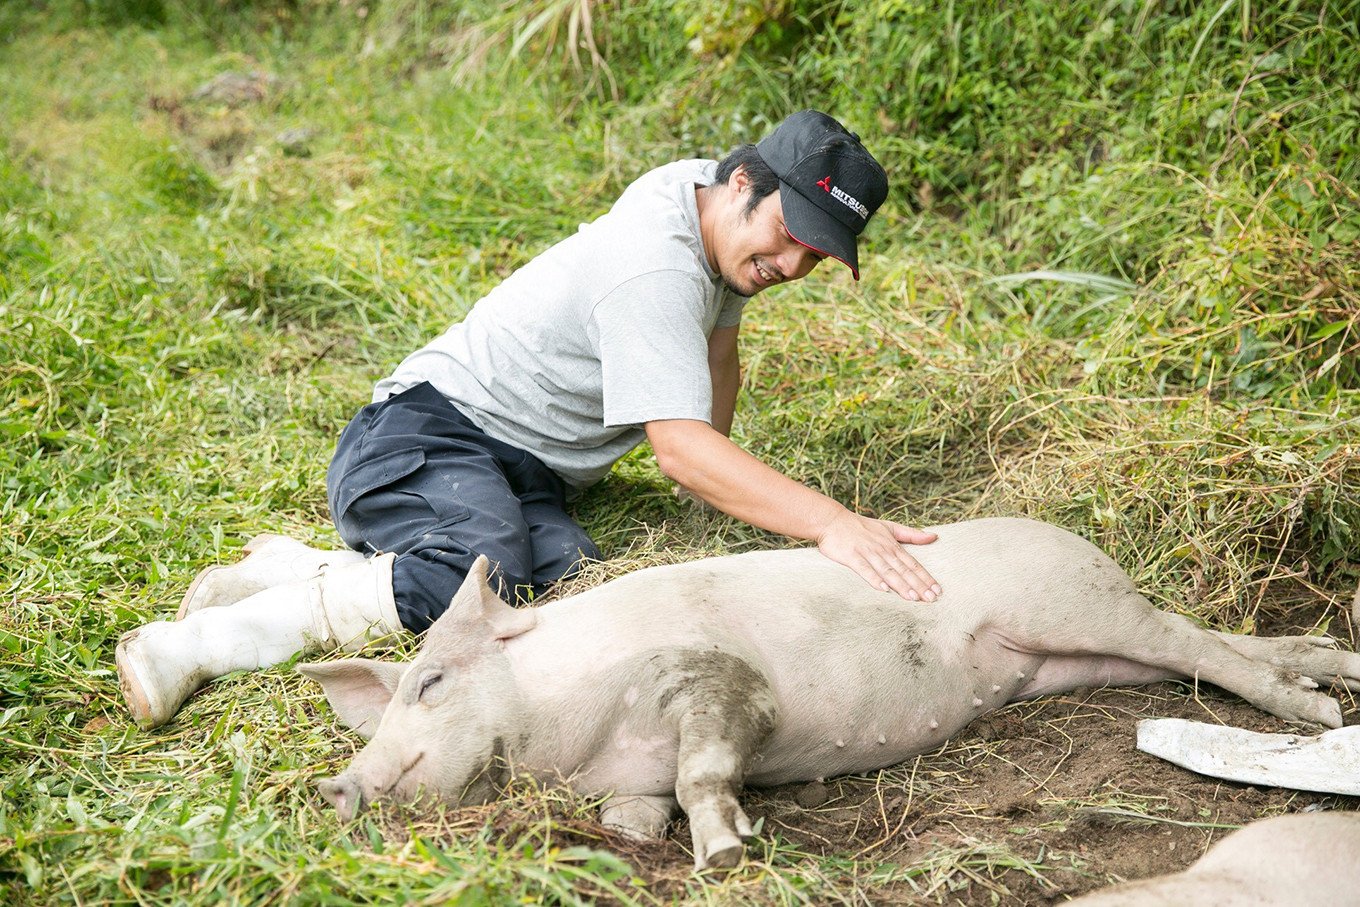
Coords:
188,316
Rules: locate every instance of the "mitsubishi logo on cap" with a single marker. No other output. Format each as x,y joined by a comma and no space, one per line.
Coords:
849,201
825,184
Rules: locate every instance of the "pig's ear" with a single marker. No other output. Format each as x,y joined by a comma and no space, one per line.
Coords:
475,601
359,689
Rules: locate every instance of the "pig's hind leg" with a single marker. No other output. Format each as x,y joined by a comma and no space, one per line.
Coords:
1315,657
1125,625
724,711
1312,656
1061,673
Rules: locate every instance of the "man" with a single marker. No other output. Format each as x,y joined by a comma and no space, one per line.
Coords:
626,330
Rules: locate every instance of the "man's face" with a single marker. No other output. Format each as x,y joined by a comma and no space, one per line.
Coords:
755,251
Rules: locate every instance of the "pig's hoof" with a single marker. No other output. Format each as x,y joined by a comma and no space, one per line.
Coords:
640,818
723,852
1329,713
1308,708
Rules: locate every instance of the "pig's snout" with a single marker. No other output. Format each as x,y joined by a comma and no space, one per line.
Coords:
344,794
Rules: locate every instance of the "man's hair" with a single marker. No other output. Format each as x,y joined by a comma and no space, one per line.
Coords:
763,180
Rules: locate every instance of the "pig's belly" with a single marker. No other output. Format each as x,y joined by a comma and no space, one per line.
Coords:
837,718
840,709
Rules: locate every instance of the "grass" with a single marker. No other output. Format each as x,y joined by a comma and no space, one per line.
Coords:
1115,287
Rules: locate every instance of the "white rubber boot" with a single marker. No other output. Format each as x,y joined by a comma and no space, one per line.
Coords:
271,560
161,664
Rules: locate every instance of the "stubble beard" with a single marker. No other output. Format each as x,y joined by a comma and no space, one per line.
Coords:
744,293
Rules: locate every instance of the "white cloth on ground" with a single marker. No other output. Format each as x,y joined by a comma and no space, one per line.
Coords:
1328,763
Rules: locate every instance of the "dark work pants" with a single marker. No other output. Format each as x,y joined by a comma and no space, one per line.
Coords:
414,476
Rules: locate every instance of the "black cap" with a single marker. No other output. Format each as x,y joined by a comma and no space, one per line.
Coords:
829,184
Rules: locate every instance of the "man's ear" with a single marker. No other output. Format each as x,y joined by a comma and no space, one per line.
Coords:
359,689
739,181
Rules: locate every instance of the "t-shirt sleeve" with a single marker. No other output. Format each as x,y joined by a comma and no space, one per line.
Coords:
649,336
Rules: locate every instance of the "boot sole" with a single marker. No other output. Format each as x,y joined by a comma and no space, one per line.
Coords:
133,693
250,548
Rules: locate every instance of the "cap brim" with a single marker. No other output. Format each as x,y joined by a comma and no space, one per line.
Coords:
812,227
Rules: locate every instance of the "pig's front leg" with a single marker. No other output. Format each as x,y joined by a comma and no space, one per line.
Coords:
724,711
639,817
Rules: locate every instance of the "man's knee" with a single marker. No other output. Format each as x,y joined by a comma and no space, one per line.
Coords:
560,546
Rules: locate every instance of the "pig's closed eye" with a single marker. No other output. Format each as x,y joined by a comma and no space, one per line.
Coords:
427,683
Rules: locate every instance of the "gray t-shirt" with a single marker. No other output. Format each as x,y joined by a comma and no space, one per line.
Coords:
599,334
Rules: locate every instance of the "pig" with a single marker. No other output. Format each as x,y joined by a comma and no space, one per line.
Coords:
677,685
1306,858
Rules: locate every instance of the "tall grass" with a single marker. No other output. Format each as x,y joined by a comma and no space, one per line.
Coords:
1115,286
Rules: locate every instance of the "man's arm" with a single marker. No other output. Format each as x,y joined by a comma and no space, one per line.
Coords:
703,461
725,368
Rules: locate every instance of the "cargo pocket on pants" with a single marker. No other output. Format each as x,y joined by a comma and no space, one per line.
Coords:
383,502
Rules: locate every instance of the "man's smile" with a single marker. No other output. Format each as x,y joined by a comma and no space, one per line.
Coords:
768,276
